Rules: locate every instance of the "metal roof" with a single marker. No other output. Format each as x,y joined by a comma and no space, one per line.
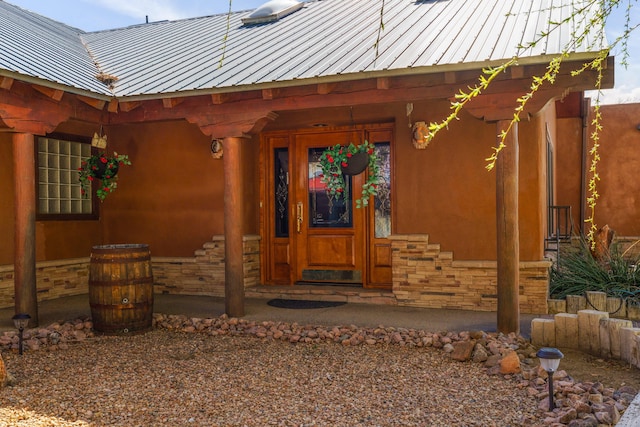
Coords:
327,40
36,46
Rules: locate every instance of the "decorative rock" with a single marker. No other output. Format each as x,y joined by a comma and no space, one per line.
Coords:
603,418
495,347
462,350
476,335
492,361
510,363
480,354
567,416
595,398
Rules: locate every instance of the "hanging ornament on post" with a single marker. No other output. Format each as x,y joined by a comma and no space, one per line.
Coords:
420,133
216,148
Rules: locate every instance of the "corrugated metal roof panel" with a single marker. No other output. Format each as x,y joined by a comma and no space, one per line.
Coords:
40,47
325,39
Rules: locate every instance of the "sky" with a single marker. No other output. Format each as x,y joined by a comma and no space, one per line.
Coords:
94,15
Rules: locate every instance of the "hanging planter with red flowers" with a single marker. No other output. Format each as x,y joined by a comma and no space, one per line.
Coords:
104,168
340,161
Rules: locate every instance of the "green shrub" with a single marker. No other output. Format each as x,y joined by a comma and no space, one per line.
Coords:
577,271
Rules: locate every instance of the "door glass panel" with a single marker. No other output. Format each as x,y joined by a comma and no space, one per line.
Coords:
382,204
281,191
325,210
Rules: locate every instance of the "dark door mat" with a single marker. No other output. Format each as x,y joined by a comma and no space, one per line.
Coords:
302,304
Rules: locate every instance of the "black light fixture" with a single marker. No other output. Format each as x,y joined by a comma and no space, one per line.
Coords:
21,321
550,360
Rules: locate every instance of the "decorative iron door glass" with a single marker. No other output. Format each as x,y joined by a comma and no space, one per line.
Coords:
327,211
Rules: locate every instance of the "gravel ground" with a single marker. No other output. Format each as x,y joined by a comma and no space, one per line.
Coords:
171,378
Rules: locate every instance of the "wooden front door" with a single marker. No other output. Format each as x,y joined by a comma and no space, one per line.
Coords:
310,237
329,231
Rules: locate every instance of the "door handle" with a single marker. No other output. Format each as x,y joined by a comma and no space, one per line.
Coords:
299,217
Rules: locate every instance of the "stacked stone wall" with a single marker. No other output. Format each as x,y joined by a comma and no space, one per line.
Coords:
202,274
425,276
54,279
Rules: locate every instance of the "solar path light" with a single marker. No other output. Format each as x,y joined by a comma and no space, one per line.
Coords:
21,321
550,360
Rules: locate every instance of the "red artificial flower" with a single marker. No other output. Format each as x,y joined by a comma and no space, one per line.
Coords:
329,158
105,189
90,178
344,164
103,159
370,151
349,155
340,190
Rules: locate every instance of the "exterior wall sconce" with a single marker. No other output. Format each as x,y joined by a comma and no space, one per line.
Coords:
21,321
550,360
216,148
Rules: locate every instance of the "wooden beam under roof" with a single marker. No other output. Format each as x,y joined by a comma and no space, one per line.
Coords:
55,94
129,106
6,83
326,88
113,106
171,102
383,83
98,104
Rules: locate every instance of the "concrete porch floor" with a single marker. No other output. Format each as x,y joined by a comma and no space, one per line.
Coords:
365,308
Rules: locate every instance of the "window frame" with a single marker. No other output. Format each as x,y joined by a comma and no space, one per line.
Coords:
95,205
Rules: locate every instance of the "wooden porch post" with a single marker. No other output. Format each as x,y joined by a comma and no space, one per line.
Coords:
233,214
508,239
25,226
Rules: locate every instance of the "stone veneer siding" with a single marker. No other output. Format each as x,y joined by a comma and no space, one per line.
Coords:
54,279
425,276
202,274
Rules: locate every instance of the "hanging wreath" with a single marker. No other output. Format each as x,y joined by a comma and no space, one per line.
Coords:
340,161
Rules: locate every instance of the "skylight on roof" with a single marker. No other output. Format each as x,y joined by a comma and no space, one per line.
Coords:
272,11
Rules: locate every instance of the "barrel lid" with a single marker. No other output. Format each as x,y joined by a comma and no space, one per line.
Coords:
120,246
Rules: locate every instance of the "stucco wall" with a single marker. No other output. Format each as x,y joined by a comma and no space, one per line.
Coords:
54,239
444,190
619,186
171,197
568,167
6,195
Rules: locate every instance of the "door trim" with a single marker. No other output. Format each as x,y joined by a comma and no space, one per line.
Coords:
278,254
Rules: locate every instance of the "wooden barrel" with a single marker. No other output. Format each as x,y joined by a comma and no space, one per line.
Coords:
121,288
